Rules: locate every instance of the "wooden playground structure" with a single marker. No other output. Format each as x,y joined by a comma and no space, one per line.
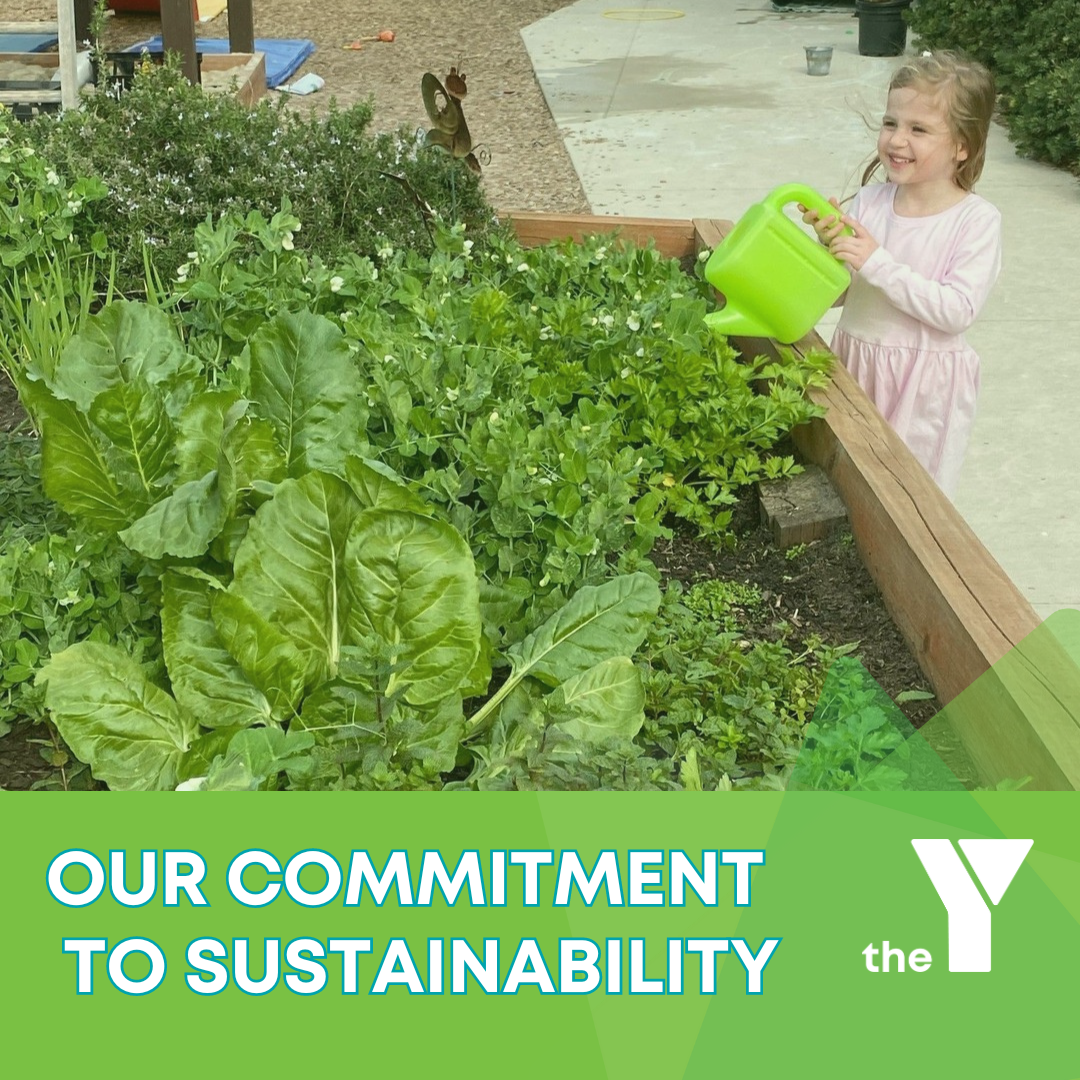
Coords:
72,26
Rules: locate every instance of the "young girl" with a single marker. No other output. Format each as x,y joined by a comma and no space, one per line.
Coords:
924,255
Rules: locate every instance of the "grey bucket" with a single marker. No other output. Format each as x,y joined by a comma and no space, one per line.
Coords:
818,59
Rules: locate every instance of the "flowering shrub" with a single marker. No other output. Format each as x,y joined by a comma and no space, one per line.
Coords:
170,155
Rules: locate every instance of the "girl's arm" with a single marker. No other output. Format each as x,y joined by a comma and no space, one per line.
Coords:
951,304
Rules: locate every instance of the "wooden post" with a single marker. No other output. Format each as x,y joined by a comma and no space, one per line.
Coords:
69,75
178,34
241,26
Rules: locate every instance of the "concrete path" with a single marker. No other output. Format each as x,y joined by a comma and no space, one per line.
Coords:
698,110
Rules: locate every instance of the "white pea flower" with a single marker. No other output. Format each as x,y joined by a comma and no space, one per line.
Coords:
625,373
51,177
385,252
633,323
656,325
336,282
468,246
641,351
452,393
601,252
637,297
608,320
522,267
183,271
494,417
703,255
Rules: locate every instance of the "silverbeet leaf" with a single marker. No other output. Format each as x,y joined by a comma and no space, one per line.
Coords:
75,468
413,586
199,431
257,755
132,416
182,524
377,485
266,655
596,623
129,731
205,679
608,701
124,342
306,384
290,570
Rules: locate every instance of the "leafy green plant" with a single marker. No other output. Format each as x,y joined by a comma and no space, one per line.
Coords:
319,440
724,707
59,589
49,272
859,740
353,626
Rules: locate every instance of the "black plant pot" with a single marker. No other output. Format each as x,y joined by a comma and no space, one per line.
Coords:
882,30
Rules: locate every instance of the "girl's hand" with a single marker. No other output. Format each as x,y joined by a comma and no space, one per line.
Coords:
828,228
853,250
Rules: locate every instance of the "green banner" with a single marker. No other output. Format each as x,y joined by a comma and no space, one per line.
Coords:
596,935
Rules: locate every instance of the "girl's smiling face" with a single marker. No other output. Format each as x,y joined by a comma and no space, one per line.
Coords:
915,143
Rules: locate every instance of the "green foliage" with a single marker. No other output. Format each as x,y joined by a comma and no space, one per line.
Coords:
170,154
859,740
723,705
50,253
357,628
362,495
61,588
555,402
1032,48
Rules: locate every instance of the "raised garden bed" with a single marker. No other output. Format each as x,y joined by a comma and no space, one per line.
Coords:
956,608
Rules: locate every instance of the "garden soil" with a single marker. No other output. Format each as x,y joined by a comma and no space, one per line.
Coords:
825,590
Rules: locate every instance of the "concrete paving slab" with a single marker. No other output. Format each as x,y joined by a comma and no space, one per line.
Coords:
701,114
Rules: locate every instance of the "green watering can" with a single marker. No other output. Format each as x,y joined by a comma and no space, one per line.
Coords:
777,280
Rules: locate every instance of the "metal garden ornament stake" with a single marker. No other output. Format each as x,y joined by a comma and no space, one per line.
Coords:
448,128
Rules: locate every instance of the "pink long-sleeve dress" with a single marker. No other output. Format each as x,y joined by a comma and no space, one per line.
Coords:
901,333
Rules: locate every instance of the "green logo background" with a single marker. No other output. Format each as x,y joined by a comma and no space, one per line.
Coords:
840,874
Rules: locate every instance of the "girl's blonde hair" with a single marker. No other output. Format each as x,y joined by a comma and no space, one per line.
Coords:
968,96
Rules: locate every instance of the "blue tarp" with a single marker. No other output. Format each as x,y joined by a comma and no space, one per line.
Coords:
283,55
26,42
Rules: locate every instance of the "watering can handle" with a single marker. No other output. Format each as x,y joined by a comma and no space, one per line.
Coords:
779,197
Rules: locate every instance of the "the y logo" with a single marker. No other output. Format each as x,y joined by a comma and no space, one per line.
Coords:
995,863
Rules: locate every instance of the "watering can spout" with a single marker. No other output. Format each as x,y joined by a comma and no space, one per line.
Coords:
732,323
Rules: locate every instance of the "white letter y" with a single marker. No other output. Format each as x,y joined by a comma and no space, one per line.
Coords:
995,863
